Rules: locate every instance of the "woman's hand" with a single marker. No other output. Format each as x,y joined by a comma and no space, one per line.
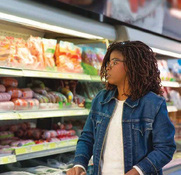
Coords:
76,171
132,172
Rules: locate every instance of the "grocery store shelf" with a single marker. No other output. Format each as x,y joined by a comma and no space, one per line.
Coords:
58,75
5,159
41,150
10,72
46,74
52,113
45,153
172,109
9,116
42,114
171,84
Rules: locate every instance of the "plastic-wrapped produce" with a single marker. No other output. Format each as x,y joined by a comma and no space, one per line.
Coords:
35,47
2,88
41,98
49,46
5,97
40,91
5,50
51,98
14,92
22,143
67,93
6,106
27,93
59,97
9,82
68,57
33,104
6,135
20,104
49,134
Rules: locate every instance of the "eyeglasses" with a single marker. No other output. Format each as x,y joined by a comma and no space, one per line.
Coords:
113,62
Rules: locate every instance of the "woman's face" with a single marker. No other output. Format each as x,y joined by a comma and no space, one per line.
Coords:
116,71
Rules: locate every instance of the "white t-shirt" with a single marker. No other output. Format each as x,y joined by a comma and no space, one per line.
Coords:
113,154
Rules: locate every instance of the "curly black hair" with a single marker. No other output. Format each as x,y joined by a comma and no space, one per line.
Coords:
142,69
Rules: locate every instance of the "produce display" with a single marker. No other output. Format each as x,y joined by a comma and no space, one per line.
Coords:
170,70
92,60
46,54
68,57
26,133
36,95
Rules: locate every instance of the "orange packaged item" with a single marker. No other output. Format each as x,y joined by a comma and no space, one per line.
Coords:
49,46
23,57
2,88
14,92
6,49
27,93
5,97
35,47
20,104
6,106
68,57
9,82
33,104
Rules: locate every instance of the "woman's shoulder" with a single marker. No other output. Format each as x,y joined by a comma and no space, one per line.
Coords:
152,97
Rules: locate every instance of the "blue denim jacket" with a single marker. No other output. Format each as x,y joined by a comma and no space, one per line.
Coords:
148,133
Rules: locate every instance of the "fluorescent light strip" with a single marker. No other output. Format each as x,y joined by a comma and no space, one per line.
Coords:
165,52
41,25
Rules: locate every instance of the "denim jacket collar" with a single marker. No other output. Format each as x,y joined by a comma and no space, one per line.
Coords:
113,95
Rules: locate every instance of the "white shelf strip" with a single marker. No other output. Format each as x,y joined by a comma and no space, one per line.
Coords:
42,114
56,113
5,159
170,84
172,109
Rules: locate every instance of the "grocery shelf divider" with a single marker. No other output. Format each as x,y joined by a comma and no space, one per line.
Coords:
9,116
57,75
45,149
53,113
10,72
171,84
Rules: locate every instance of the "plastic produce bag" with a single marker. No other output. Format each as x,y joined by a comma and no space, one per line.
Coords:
9,82
49,46
5,97
68,57
2,88
34,45
14,92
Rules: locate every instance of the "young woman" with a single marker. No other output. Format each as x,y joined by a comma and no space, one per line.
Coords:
128,130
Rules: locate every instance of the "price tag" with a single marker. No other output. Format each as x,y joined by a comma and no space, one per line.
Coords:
62,143
36,148
22,150
52,145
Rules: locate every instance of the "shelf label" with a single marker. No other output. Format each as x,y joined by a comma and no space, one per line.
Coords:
36,148
52,145
22,150
7,159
